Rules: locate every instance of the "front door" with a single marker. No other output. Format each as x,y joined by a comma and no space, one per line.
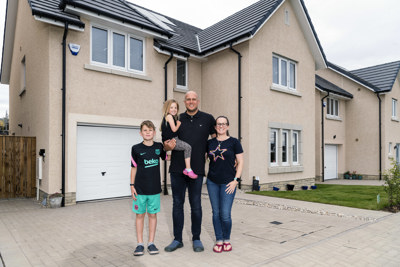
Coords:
330,162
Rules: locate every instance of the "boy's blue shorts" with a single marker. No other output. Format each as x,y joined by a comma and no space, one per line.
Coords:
151,203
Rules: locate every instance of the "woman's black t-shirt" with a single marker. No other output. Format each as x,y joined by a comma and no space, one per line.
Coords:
222,155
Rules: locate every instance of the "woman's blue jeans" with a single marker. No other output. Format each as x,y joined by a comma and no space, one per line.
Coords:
221,203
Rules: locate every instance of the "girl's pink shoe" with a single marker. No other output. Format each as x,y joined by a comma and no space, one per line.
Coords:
191,174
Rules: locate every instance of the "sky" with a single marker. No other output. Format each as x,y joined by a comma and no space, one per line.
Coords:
353,33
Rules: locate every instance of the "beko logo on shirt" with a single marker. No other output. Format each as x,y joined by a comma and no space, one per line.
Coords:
150,163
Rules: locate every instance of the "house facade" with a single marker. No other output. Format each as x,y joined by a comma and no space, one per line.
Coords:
85,104
361,129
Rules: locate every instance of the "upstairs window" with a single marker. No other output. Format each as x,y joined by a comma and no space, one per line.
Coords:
332,107
284,72
116,49
99,45
394,108
181,74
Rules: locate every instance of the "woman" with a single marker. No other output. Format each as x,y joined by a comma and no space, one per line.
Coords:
226,165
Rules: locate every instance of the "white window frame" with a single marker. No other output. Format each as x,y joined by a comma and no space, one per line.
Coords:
293,136
112,50
280,83
285,139
394,108
143,53
180,86
293,145
110,43
276,132
332,108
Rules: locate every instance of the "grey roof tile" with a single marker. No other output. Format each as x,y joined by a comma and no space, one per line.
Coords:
382,76
327,86
50,9
117,9
353,76
243,23
182,37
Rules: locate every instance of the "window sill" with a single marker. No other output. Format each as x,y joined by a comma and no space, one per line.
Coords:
334,118
117,72
285,90
395,119
285,169
181,89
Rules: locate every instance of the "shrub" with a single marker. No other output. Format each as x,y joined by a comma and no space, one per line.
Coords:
392,186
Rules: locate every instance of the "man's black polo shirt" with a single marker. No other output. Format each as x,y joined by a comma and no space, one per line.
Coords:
194,130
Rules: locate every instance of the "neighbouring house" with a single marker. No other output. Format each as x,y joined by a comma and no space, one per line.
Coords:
83,75
361,121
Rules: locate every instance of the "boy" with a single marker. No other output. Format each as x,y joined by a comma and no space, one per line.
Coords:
146,185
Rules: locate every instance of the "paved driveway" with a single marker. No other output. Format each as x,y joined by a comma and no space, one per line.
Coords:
266,232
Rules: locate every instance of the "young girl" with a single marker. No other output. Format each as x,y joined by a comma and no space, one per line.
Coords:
169,129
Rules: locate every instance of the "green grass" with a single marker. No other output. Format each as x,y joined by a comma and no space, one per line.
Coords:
356,196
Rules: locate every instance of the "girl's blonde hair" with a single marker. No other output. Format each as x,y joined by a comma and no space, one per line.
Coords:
166,107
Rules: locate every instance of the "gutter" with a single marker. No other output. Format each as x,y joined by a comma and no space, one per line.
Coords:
380,136
165,99
322,137
64,63
239,95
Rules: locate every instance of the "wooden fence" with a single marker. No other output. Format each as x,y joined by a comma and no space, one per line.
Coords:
17,166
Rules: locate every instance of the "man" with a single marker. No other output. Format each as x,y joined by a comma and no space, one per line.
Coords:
196,126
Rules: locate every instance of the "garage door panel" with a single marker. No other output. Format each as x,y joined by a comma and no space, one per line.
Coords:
330,162
104,149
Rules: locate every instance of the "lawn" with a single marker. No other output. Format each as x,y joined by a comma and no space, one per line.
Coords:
356,196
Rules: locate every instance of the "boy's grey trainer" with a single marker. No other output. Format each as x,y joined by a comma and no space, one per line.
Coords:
139,251
152,249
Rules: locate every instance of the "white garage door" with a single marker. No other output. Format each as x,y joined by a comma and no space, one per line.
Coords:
103,161
330,162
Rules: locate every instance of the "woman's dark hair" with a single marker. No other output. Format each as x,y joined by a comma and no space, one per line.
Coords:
227,121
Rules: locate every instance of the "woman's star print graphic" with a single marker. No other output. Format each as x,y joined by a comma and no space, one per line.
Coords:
218,153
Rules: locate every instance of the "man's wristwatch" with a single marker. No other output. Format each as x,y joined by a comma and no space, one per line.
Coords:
237,179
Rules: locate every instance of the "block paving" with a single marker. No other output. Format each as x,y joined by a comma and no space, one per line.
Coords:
266,232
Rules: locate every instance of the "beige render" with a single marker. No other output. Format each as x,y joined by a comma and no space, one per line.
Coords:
97,96
92,93
260,104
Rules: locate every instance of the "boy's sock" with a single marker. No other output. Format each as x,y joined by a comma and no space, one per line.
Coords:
140,244
188,169
150,243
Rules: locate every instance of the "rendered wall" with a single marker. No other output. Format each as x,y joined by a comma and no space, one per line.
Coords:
31,109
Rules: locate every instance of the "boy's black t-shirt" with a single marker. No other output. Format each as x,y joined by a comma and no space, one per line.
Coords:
146,160
195,131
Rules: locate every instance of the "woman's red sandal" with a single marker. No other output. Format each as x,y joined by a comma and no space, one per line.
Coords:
218,248
227,247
